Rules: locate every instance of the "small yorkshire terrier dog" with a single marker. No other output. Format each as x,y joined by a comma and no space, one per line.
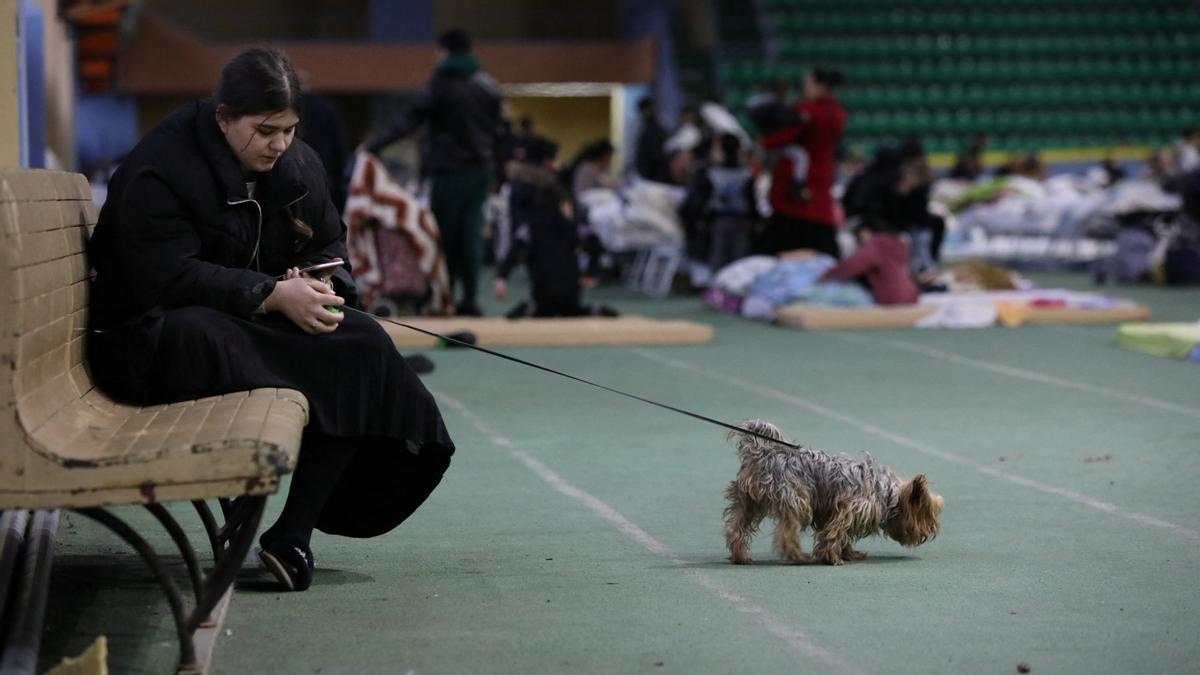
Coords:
841,499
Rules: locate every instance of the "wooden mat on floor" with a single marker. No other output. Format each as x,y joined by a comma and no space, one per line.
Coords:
576,332
819,317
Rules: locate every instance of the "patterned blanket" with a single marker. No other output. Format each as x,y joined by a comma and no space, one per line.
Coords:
388,233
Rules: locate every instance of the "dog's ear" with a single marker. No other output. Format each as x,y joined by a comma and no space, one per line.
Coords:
920,489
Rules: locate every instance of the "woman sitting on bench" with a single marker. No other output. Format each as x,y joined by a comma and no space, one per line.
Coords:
198,292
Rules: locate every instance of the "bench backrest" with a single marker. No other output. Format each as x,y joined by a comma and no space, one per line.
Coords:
45,218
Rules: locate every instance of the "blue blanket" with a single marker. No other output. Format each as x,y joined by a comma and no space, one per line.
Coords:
796,281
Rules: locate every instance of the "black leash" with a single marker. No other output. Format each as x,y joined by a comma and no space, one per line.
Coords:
523,362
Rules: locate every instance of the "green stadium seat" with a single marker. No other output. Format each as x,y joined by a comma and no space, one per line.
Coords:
1041,73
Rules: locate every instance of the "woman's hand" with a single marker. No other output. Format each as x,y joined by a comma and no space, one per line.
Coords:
303,300
499,288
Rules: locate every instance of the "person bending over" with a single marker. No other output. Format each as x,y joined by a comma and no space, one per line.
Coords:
882,259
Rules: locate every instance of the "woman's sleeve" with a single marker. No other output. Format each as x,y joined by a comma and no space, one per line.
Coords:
329,238
857,264
159,251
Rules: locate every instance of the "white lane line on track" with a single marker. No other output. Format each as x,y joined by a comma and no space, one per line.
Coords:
1020,373
795,638
925,448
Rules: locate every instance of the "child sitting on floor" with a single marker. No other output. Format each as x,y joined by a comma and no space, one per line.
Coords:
546,235
882,259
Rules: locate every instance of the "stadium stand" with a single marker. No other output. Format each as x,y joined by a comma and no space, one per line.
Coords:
1031,75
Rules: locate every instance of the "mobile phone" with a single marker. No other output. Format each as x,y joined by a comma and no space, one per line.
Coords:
336,262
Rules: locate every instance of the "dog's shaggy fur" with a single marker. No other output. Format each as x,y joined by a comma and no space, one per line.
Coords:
841,499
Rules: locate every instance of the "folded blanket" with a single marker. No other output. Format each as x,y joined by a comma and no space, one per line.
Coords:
796,281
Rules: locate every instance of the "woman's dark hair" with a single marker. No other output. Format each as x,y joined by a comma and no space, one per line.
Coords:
540,150
595,150
827,77
256,81
260,80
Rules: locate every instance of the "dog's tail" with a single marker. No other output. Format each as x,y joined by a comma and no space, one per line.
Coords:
748,444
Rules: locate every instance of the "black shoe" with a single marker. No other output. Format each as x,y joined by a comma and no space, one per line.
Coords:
465,308
457,340
520,311
292,564
419,363
604,310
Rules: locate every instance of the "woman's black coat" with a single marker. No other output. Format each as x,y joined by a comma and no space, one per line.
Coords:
184,258
180,229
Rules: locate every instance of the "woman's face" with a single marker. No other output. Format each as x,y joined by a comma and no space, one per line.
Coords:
260,139
812,88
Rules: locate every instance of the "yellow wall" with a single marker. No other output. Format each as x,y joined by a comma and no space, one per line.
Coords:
572,122
10,132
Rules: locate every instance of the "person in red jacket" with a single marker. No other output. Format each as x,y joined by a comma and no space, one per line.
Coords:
882,258
803,205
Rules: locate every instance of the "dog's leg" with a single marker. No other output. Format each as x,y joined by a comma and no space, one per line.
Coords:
791,523
742,517
850,554
835,536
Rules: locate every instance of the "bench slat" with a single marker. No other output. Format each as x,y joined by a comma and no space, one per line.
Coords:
48,276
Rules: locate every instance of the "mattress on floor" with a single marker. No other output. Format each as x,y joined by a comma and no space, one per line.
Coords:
573,332
1012,308
1174,340
823,317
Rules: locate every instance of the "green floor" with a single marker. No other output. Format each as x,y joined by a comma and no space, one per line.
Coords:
578,531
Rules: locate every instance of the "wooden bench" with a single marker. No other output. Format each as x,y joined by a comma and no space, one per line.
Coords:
68,446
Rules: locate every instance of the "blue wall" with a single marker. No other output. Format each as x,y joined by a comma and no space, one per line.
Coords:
408,21
31,86
657,18
105,129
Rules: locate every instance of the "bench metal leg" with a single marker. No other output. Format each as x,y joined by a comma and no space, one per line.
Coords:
23,636
187,650
236,513
226,569
210,527
226,504
181,542
12,539
209,589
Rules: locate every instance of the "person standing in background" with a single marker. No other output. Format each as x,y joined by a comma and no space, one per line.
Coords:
461,107
323,129
651,160
803,213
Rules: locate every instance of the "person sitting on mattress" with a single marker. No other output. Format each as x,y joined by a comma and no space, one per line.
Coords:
882,260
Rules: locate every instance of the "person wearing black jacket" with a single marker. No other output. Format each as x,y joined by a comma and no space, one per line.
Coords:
892,193
461,108
546,237
650,160
197,292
